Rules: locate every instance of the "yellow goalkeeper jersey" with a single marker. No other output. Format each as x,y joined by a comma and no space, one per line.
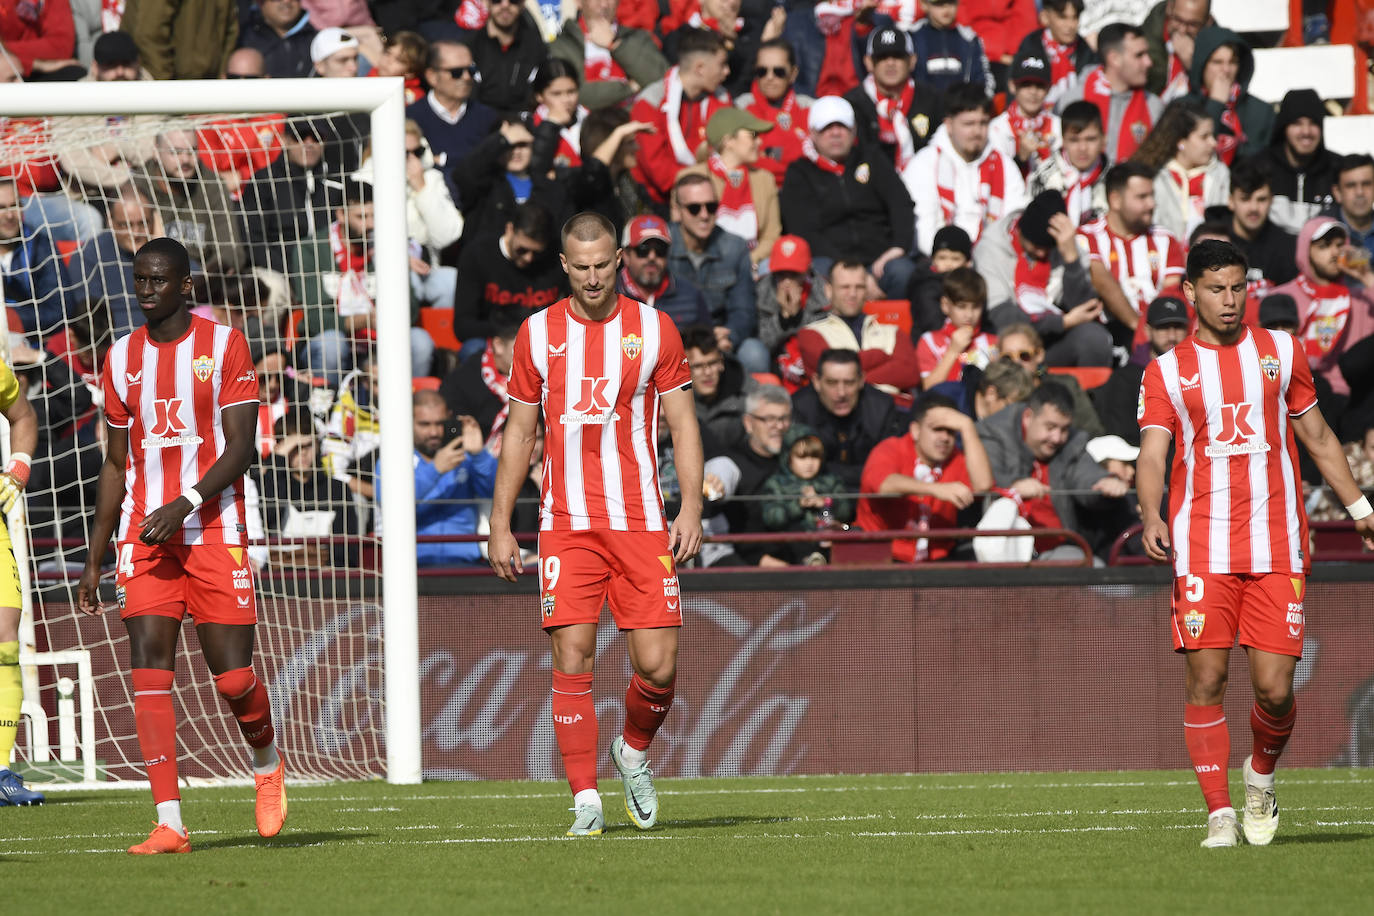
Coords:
9,386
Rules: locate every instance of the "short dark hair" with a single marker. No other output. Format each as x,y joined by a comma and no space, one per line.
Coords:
963,97
1211,227
1211,254
435,55
699,337
600,123
533,221
688,179
506,321
172,250
587,226
1250,174
1079,116
1060,5
929,402
1113,35
838,357
551,69
353,193
964,284
1051,394
699,41
845,264
1120,175
779,44
1352,162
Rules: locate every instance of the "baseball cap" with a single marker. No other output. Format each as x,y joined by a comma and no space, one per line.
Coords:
1279,308
889,41
643,228
728,120
1028,68
952,238
330,41
114,48
1167,312
830,109
1326,226
790,253
1104,447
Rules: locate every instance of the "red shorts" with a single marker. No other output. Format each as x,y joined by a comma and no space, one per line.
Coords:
211,582
1265,611
579,570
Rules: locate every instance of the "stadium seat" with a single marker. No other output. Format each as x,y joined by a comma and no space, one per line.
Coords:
1251,15
1349,134
766,378
439,323
1088,376
891,311
1329,69
424,383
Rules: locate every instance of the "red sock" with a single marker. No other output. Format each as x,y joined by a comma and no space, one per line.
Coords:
646,706
574,724
247,700
157,730
1270,737
1209,747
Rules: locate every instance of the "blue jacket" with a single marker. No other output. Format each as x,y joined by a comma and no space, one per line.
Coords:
948,56
475,478
681,301
107,272
725,278
33,283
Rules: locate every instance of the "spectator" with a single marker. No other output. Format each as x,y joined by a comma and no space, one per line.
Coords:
1059,44
964,340
281,31
236,147
511,269
182,41
717,263
1117,88
610,58
1171,33
30,269
449,474
432,222
39,36
299,499
288,200
340,13
1116,401
1131,259
850,416
960,179
557,118
1222,67
789,297
805,497
1035,273
477,387
1270,250
679,107
936,478
453,122
885,353
192,203
999,24
1021,344
848,203
1354,198
1279,312
1303,169
892,111
1035,452
644,275
1005,382
1189,178
1028,131
742,471
1335,312
773,97
951,249
950,53
719,387
334,54
610,135
404,55
748,196
278,391
741,28
1078,168
508,50
104,265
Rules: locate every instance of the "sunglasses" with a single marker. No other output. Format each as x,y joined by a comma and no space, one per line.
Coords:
777,72
711,206
523,251
644,249
459,72
418,152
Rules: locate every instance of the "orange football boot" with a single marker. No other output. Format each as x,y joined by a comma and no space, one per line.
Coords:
270,808
162,839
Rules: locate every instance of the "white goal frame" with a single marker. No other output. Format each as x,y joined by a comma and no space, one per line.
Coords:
383,101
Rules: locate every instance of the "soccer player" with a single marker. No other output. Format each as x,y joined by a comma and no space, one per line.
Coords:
601,365
181,408
23,439
1233,397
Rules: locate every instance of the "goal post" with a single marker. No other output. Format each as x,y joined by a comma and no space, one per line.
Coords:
382,100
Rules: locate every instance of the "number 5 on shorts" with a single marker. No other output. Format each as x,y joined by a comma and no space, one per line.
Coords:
548,571
1192,588
125,566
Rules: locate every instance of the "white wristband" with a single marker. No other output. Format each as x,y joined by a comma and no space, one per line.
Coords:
1360,508
193,497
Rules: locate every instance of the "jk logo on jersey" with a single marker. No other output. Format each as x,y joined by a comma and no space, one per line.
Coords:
593,405
167,417
1237,436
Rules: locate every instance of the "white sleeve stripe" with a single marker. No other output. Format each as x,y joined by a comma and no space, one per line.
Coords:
1156,426
518,400
1298,413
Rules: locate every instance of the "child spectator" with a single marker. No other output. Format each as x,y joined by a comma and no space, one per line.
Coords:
804,493
1028,131
1077,167
1060,45
951,248
404,56
941,355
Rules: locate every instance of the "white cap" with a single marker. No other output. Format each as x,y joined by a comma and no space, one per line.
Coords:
830,109
330,41
1104,447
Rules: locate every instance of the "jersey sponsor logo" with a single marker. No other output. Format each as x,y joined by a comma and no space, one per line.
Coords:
242,579
1208,768
1270,365
632,344
249,376
1194,621
1140,404
546,604
593,406
203,367
1190,382
670,587
121,597
243,600
568,720
133,378
1237,435
160,758
1294,613
558,350
168,430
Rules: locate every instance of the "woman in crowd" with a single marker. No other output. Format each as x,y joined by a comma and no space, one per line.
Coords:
1189,178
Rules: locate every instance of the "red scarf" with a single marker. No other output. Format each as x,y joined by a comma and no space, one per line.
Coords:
991,183
598,64
698,21
353,298
1041,512
837,74
496,384
782,145
111,15
1078,193
822,163
1176,79
892,114
1228,144
737,214
635,291
1032,281
1040,125
569,138
1061,57
1328,312
1136,123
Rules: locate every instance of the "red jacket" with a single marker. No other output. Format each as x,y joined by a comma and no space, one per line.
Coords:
1000,23
52,36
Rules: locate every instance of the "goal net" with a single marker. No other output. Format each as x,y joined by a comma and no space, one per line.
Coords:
270,187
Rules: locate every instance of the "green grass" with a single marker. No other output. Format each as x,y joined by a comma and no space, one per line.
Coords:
1018,843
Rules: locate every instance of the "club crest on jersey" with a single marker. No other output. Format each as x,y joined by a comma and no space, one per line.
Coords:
546,604
1193,622
1270,365
632,344
861,174
203,366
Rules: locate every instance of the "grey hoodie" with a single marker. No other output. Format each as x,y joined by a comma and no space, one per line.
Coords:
995,260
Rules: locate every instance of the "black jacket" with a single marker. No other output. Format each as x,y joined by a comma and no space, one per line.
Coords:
859,214
282,57
283,204
488,280
465,393
1304,190
927,111
848,440
506,73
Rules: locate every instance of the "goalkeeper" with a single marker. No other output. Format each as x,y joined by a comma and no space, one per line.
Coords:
23,439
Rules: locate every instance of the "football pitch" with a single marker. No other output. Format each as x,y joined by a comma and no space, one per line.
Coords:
957,843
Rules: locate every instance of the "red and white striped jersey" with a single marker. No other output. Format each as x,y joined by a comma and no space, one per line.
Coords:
1143,264
599,384
1235,497
169,397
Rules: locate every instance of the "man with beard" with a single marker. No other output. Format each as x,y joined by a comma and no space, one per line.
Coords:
1271,250
645,275
507,50
1117,88
32,273
849,416
1303,169
287,200
892,111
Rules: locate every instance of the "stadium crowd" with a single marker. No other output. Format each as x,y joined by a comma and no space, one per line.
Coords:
919,251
